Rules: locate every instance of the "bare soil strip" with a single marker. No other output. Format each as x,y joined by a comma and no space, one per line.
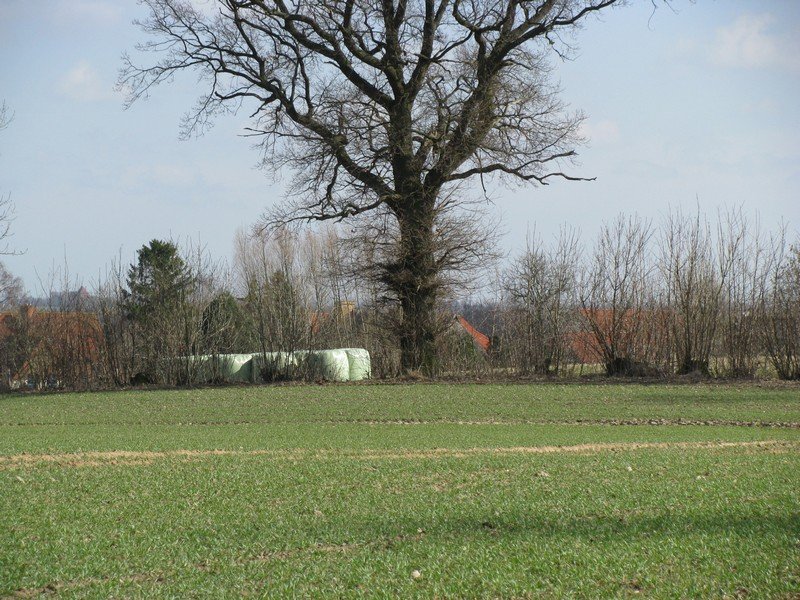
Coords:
132,458
444,421
637,422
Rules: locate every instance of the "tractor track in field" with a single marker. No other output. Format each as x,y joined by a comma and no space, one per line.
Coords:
658,422
136,458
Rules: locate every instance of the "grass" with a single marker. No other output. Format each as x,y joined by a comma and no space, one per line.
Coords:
347,490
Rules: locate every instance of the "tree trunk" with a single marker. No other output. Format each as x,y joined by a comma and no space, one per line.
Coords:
413,278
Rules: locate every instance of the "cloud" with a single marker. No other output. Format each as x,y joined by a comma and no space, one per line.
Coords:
84,84
751,43
603,131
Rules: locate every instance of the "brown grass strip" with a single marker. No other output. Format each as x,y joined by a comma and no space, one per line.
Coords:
134,458
660,422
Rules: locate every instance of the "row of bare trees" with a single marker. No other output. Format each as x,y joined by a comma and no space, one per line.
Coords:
685,296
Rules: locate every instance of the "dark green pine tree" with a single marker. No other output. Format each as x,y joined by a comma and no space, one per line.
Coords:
157,301
159,283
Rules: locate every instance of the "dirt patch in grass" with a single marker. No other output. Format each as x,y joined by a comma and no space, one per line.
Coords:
134,458
640,422
58,588
767,445
130,457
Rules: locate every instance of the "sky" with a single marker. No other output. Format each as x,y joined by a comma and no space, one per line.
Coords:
696,106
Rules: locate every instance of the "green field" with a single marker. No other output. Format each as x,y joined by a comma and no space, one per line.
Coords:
509,491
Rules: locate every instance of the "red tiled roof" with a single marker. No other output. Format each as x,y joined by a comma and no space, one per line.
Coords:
481,339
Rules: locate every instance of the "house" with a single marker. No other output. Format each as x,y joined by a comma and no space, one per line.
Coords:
43,348
481,340
639,333
344,311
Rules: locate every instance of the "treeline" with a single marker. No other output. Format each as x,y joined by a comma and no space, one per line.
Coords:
288,291
684,297
687,296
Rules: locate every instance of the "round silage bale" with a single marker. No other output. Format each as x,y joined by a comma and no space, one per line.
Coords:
235,367
330,365
359,364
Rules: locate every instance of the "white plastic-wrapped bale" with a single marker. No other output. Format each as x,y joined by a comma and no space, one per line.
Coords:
235,367
359,364
331,365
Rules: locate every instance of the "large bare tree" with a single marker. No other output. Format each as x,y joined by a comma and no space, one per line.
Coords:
380,105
